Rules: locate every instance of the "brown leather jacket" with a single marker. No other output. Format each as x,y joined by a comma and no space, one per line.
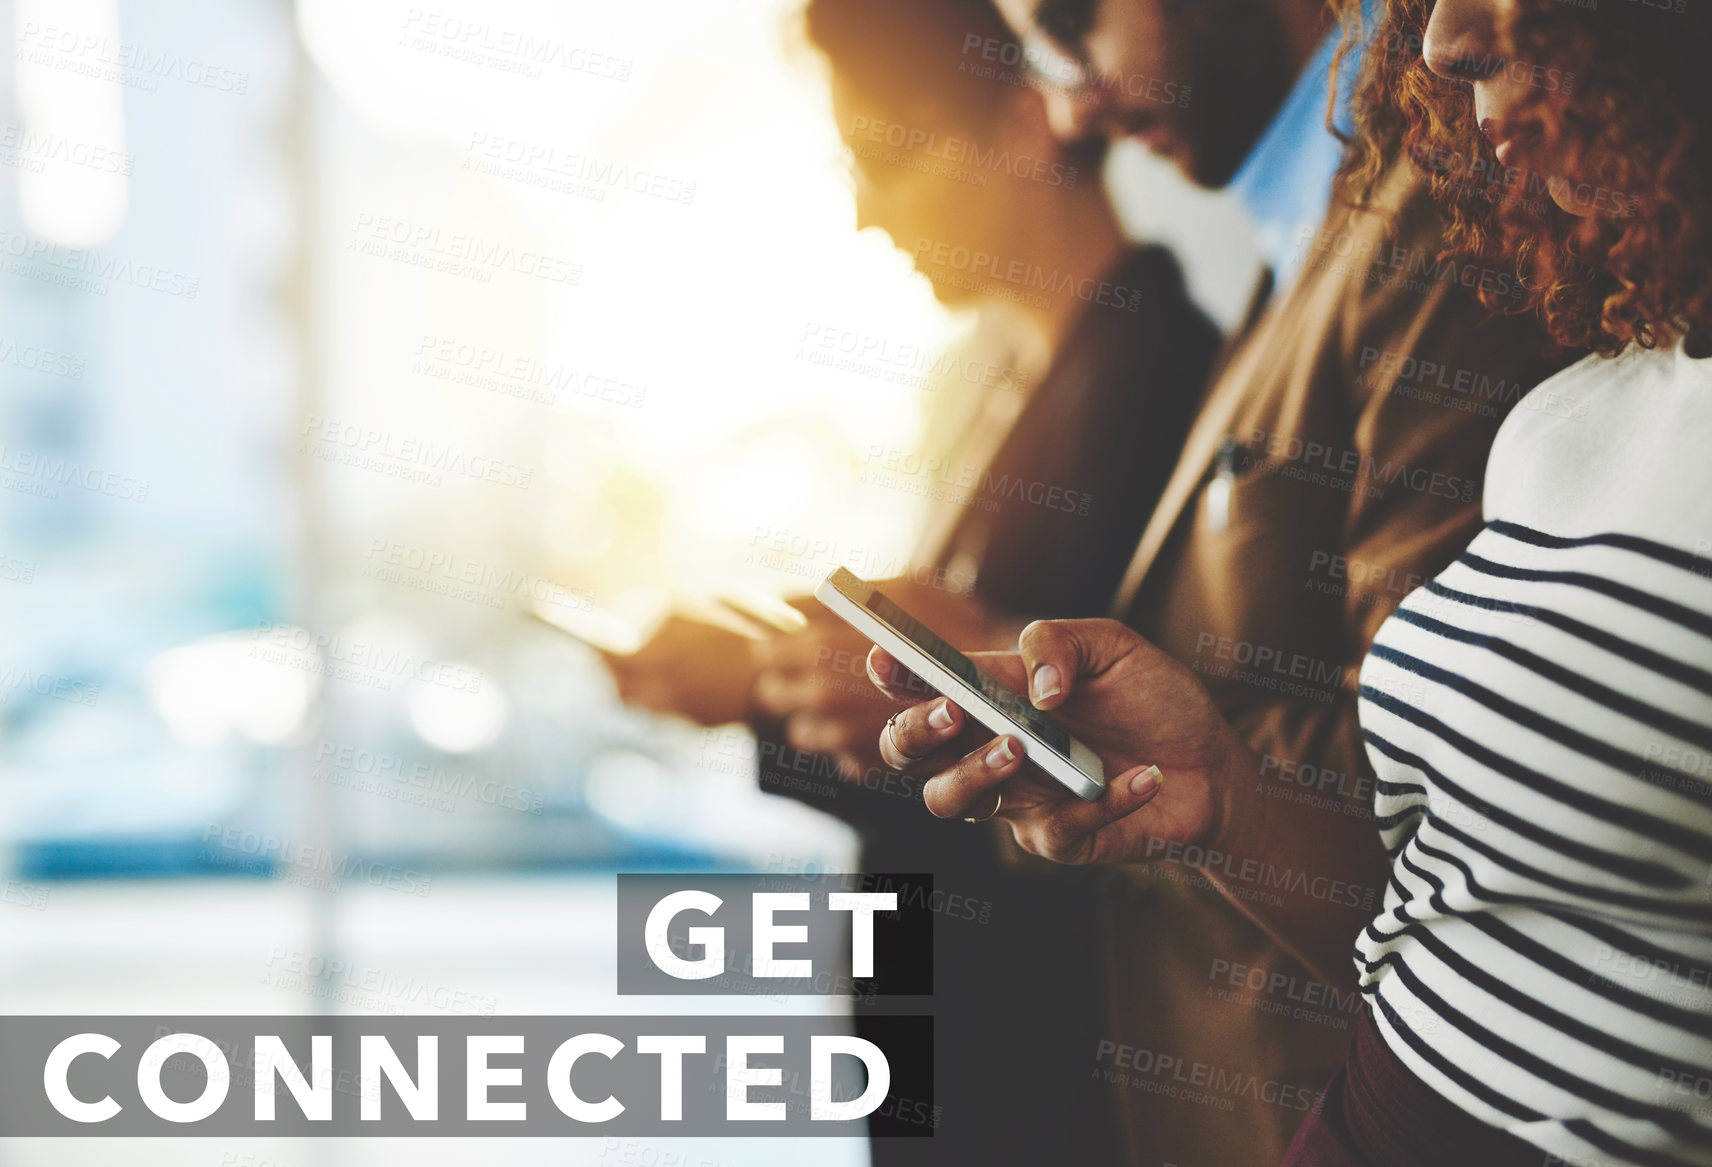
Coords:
1335,465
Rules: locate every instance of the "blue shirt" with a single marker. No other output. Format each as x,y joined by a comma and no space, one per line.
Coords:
1285,183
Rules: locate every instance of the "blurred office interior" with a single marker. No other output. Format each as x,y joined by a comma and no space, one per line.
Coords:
336,339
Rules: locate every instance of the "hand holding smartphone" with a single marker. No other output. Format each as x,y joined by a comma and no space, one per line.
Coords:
688,656
746,614
985,699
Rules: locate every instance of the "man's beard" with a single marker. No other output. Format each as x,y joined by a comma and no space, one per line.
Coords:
1239,74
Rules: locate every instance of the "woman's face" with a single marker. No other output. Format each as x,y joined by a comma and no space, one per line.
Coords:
1466,41
905,186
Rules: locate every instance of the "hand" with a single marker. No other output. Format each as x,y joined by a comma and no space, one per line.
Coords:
1167,752
689,669
816,679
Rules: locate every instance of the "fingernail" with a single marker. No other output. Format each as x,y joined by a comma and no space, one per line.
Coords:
1001,755
1046,683
1147,782
940,718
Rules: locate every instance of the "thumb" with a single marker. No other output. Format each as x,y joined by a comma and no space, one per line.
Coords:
1058,652
1083,832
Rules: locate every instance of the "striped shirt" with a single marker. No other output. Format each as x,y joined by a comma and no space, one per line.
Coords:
1540,720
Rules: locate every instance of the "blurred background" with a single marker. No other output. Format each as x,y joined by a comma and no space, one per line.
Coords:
337,339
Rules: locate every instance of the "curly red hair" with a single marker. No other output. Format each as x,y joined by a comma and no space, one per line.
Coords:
1624,88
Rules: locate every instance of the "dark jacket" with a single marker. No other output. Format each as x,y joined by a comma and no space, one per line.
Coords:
1046,529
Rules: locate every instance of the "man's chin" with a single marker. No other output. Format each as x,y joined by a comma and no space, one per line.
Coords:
1167,147
1210,172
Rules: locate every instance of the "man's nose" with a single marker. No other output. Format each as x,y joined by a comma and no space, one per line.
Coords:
868,211
865,216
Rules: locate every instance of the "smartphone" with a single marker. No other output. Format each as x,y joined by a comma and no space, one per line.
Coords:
769,612
754,616
598,628
998,708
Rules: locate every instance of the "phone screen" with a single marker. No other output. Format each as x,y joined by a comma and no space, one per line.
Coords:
1012,704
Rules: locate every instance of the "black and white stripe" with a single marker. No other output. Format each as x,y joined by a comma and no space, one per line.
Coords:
1540,721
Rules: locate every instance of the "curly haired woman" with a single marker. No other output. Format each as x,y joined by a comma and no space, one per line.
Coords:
1539,717
1544,965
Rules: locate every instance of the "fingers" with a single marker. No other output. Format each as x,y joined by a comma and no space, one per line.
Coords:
815,650
1058,652
778,694
965,789
1072,831
891,677
1045,820
817,735
839,732
920,733
795,652
816,673
630,681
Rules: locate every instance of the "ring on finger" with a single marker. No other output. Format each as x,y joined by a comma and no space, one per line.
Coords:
891,735
998,802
